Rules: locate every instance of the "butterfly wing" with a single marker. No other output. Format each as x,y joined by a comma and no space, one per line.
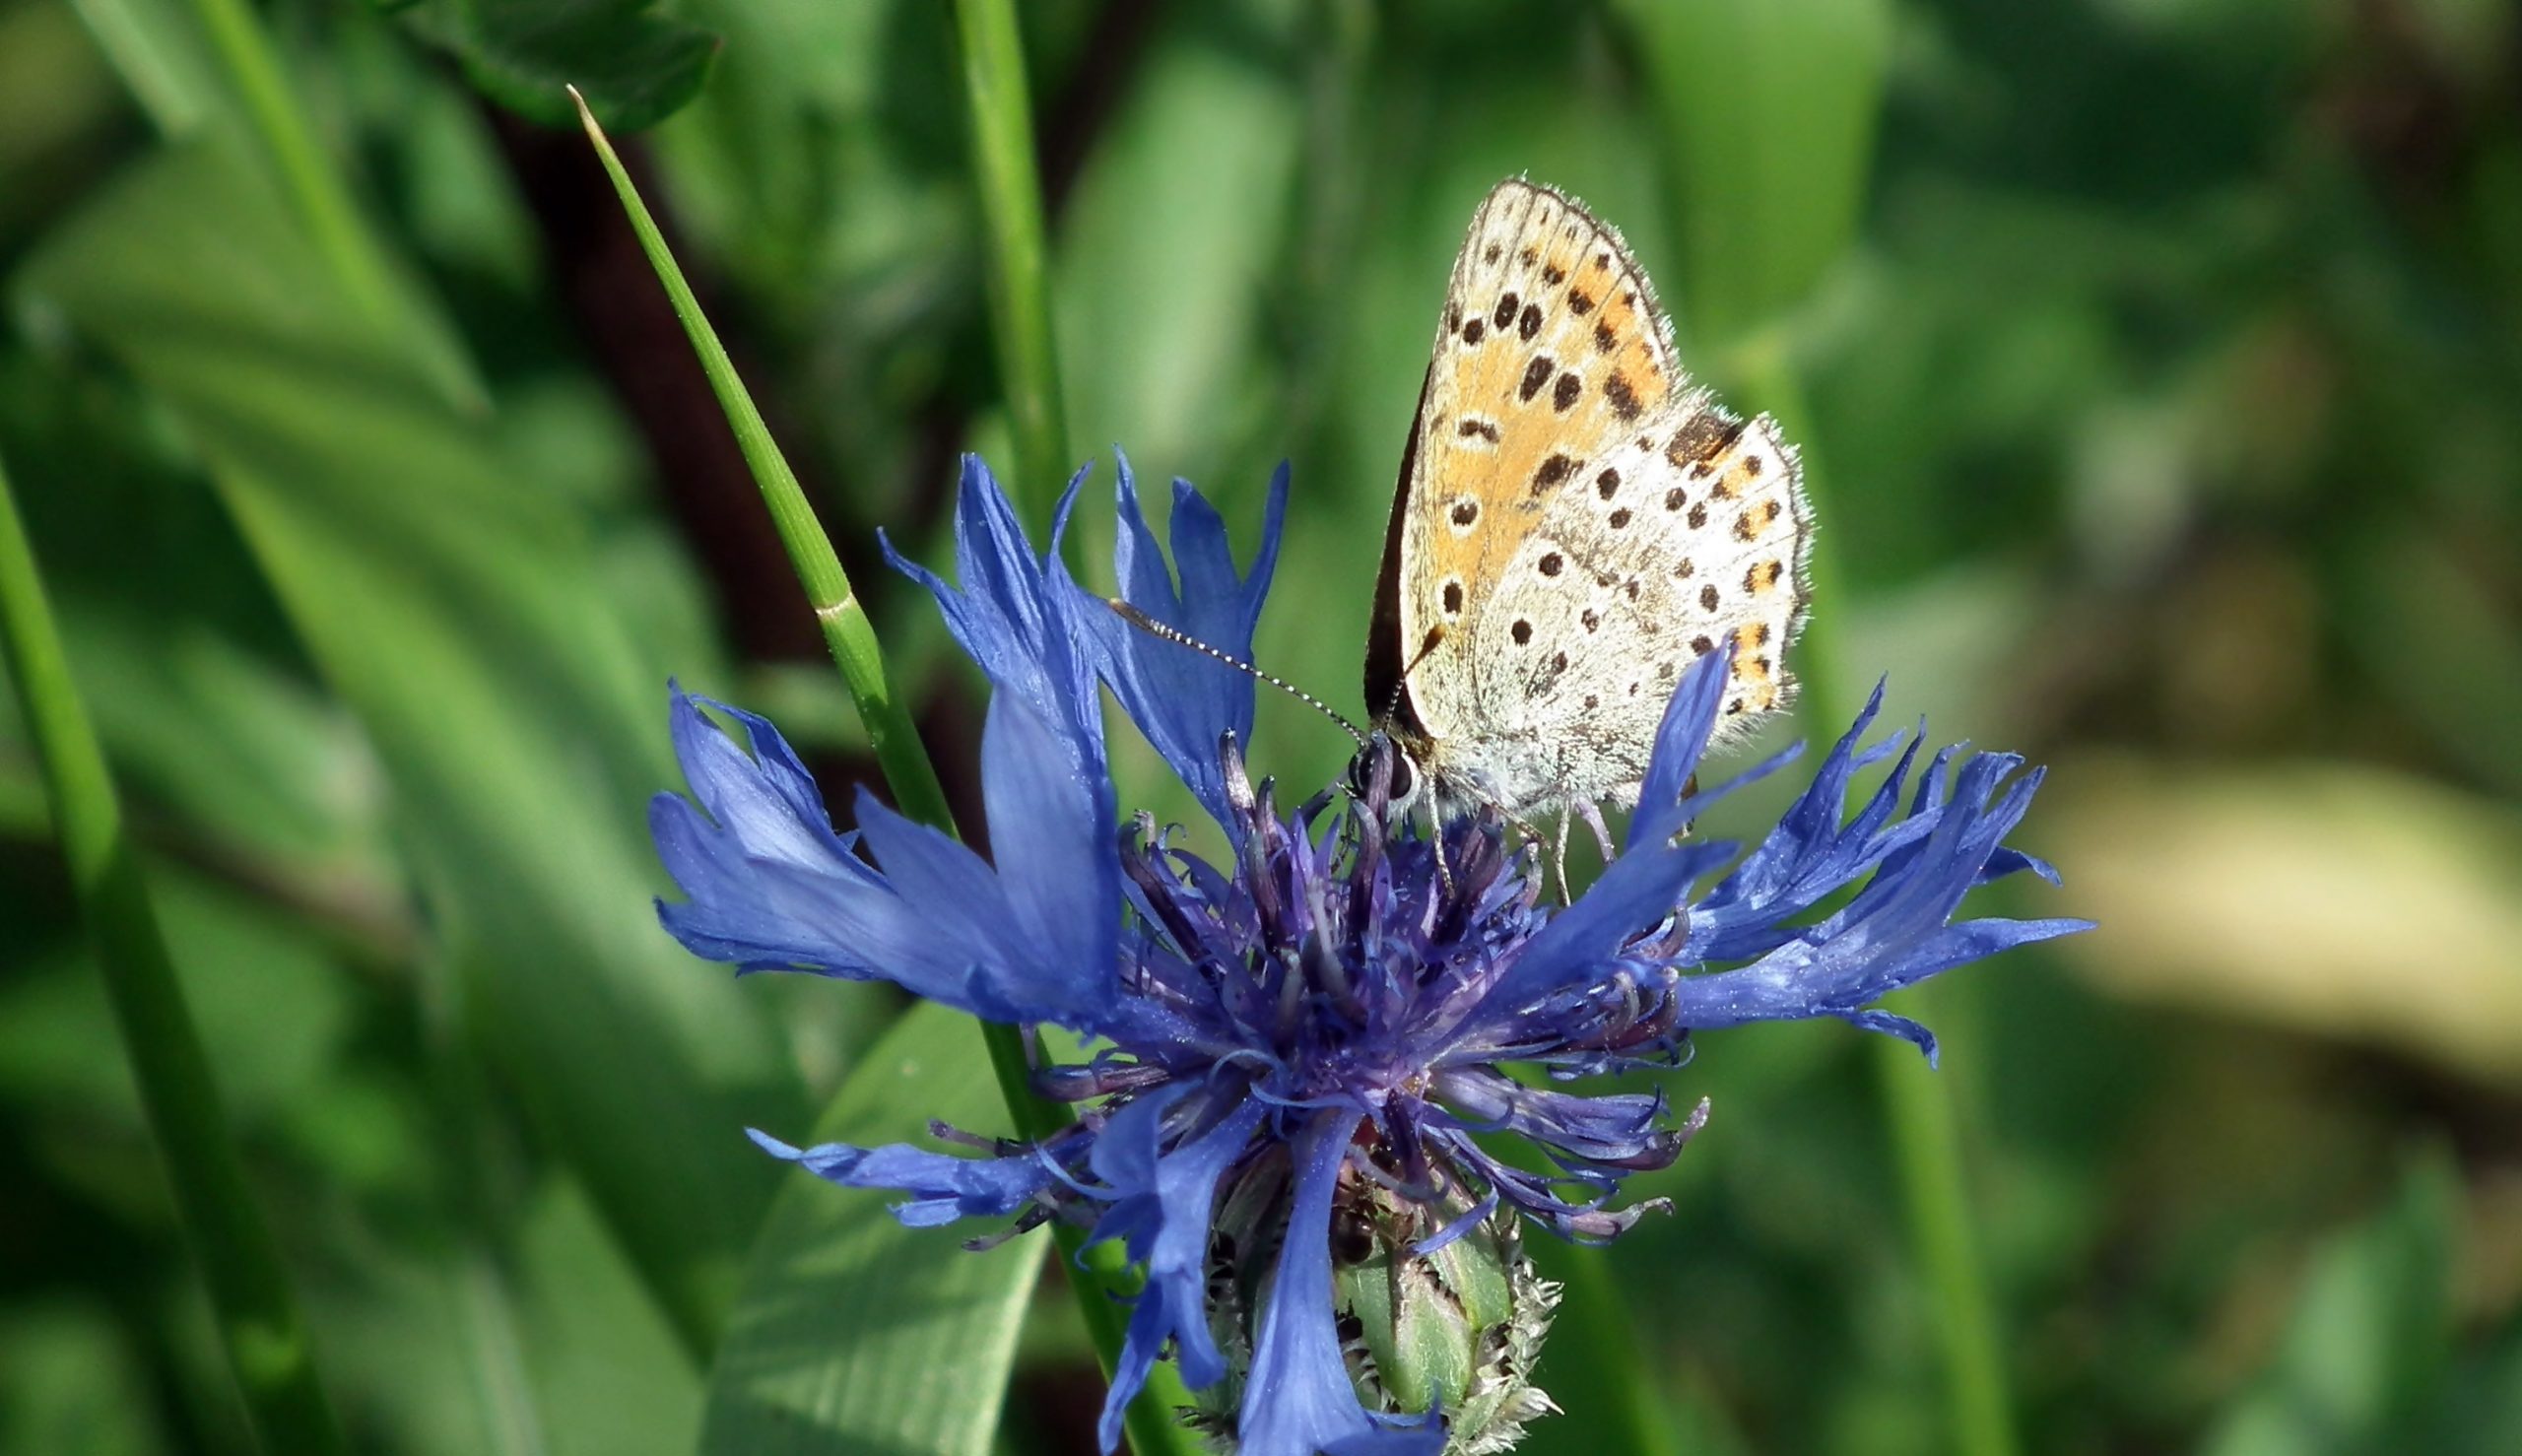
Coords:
1691,529
1568,508
1550,341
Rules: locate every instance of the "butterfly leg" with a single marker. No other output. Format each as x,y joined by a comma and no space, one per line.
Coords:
1559,859
1592,813
1437,840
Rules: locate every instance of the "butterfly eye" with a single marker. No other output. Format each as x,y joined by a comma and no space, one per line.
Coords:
1405,780
1401,784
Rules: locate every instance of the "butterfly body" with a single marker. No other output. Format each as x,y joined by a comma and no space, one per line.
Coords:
1575,522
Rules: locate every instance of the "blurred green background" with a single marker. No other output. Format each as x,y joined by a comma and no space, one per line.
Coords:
2160,366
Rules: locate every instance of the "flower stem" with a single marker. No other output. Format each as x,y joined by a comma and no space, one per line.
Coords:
267,1342
1019,259
1093,1275
1917,1104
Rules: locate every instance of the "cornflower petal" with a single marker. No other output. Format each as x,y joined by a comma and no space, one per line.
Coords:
943,1187
1162,1217
1184,700
1299,1400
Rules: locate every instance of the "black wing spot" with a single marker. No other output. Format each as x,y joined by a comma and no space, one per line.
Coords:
1564,393
1708,436
1579,302
1505,313
1453,598
1550,563
1472,331
1536,374
1466,511
1483,429
1530,324
1624,398
1607,484
1554,275
1697,515
1603,338
1619,519
1521,631
1675,500
1553,470
1708,597
1701,645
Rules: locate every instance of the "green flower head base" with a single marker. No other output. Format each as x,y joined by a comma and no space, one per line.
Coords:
1302,1054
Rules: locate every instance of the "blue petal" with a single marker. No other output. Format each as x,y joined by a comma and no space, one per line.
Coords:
1182,699
1057,851
951,933
761,871
1162,1214
1810,853
1680,740
943,1187
1896,932
1297,1401
1015,616
769,886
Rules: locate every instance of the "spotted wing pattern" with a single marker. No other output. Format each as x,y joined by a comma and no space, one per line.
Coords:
1569,501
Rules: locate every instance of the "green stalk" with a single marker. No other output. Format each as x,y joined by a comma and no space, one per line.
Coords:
268,1345
323,204
905,765
1018,261
1917,1104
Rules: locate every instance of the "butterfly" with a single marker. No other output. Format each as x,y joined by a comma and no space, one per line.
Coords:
1575,522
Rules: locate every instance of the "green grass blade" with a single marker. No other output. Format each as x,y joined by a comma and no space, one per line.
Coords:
837,611
1918,1104
459,612
1769,109
196,66
269,1347
1019,258
913,778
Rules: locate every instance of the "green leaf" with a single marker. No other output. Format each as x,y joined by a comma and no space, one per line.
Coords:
854,1334
456,610
634,66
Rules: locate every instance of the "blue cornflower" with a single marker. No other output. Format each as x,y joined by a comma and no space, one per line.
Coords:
1325,1023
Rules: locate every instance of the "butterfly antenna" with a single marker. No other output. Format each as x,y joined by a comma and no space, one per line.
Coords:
1400,679
1154,629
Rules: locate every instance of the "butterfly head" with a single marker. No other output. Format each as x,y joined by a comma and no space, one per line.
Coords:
1382,776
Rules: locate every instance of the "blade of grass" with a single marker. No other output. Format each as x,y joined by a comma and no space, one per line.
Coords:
269,1349
1919,1105
847,632
1769,109
1019,259
1094,1274
198,65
